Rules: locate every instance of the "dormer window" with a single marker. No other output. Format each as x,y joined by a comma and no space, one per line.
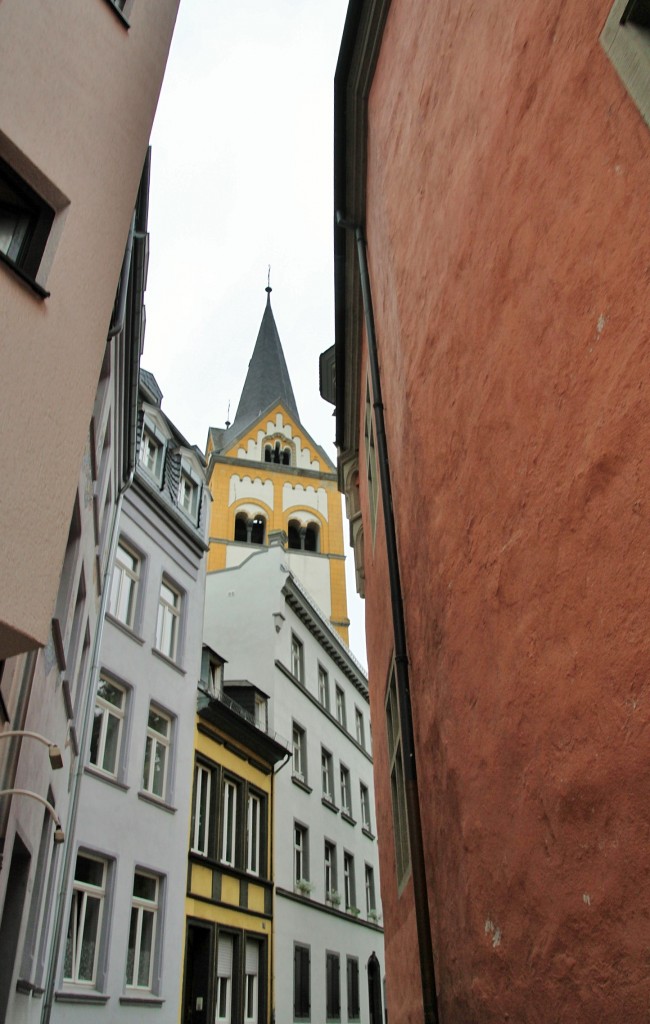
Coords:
188,494
151,452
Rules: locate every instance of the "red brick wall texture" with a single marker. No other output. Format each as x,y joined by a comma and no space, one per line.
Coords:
509,247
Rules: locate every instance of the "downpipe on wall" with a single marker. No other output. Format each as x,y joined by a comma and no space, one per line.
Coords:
402,680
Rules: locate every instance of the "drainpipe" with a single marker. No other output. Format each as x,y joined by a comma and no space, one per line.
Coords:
420,889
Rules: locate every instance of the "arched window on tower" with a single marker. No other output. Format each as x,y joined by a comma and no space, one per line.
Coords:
277,451
303,538
257,530
268,453
294,534
241,533
311,537
286,457
249,531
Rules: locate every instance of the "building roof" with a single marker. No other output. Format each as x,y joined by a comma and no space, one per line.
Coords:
267,380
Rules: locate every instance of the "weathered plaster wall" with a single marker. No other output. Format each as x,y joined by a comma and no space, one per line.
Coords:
510,255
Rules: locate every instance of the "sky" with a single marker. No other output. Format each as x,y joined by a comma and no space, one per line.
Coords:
241,178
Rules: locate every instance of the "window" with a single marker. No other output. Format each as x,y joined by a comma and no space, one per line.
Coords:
225,954
365,807
302,538
84,927
327,774
371,906
297,659
201,810
372,472
301,983
167,626
397,790
626,40
299,753
124,585
188,495
346,795
340,706
359,726
142,931
108,723
25,223
229,823
331,892
333,986
251,981
352,965
156,753
151,452
349,888
249,531
253,825
300,854
323,687
276,453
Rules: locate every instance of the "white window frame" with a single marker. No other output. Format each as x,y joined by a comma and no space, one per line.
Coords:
371,905
188,492
107,712
125,576
349,883
229,823
327,774
364,794
202,805
253,834
168,621
300,853
152,451
341,716
346,791
82,892
251,980
224,981
141,907
360,727
155,741
299,752
323,687
297,658
330,869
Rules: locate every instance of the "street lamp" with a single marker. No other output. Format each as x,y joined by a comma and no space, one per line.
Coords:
56,758
58,836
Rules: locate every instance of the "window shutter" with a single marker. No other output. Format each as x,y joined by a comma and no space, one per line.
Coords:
252,956
224,958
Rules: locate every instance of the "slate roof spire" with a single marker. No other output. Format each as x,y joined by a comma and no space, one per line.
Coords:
267,380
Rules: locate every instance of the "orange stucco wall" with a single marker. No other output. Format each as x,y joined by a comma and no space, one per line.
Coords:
510,258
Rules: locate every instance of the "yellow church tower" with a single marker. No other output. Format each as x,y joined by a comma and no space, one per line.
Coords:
267,475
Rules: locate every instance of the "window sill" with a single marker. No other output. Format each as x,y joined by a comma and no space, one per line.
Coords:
149,798
90,997
368,833
24,278
97,773
124,628
297,781
329,804
119,14
348,817
168,661
141,1001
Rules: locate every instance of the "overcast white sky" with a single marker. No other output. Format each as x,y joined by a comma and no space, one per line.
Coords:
242,178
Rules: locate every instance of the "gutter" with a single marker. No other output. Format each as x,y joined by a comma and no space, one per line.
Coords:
402,676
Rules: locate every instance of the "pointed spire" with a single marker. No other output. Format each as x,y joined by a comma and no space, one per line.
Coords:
267,380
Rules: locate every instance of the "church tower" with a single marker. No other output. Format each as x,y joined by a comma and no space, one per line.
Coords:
269,478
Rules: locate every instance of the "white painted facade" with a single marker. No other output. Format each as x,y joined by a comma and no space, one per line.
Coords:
254,615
